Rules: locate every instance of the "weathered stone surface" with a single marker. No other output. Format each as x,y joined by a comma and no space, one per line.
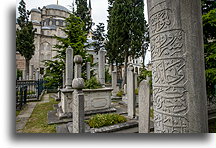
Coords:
179,91
78,66
88,72
144,107
97,99
69,68
78,83
114,83
37,75
131,92
66,100
101,67
31,72
24,74
78,107
135,80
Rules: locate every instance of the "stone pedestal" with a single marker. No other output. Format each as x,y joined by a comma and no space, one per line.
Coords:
179,89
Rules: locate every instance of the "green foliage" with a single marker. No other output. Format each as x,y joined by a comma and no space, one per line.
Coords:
209,25
209,32
76,38
120,93
99,36
92,83
136,91
54,74
101,120
18,74
208,5
143,75
84,13
126,29
108,77
25,35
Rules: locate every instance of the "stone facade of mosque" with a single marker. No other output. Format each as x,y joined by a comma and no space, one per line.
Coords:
48,22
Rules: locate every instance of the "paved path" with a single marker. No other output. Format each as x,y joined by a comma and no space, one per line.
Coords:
25,114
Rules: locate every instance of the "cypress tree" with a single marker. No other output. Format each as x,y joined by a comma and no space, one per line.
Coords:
25,35
84,12
126,30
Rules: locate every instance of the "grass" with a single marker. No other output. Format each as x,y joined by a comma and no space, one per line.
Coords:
100,120
37,123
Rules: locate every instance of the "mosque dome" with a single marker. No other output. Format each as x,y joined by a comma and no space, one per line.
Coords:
57,7
35,10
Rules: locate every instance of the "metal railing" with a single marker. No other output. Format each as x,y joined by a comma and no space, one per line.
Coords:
27,90
21,96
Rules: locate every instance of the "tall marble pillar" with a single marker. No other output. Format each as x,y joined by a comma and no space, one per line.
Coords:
69,68
101,67
131,92
179,92
114,83
88,72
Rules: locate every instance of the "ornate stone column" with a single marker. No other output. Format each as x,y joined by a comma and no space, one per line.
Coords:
179,92
69,67
131,92
101,66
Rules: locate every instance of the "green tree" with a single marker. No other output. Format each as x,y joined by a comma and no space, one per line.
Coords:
76,38
126,31
25,35
84,12
99,36
209,33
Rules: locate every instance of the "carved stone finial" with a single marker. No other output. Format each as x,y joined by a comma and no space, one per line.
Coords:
78,83
78,59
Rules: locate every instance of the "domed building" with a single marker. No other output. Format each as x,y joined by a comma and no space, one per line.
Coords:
47,23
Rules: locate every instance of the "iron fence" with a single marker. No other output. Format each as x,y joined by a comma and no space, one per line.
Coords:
21,96
27,90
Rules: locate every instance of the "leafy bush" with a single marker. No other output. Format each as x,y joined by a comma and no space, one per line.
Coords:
108,77
101,120
92,83
120,93
136,91
19,74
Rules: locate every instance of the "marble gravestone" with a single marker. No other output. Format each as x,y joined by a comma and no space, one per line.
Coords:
179,89
130,92
144,107
69,68
101,67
